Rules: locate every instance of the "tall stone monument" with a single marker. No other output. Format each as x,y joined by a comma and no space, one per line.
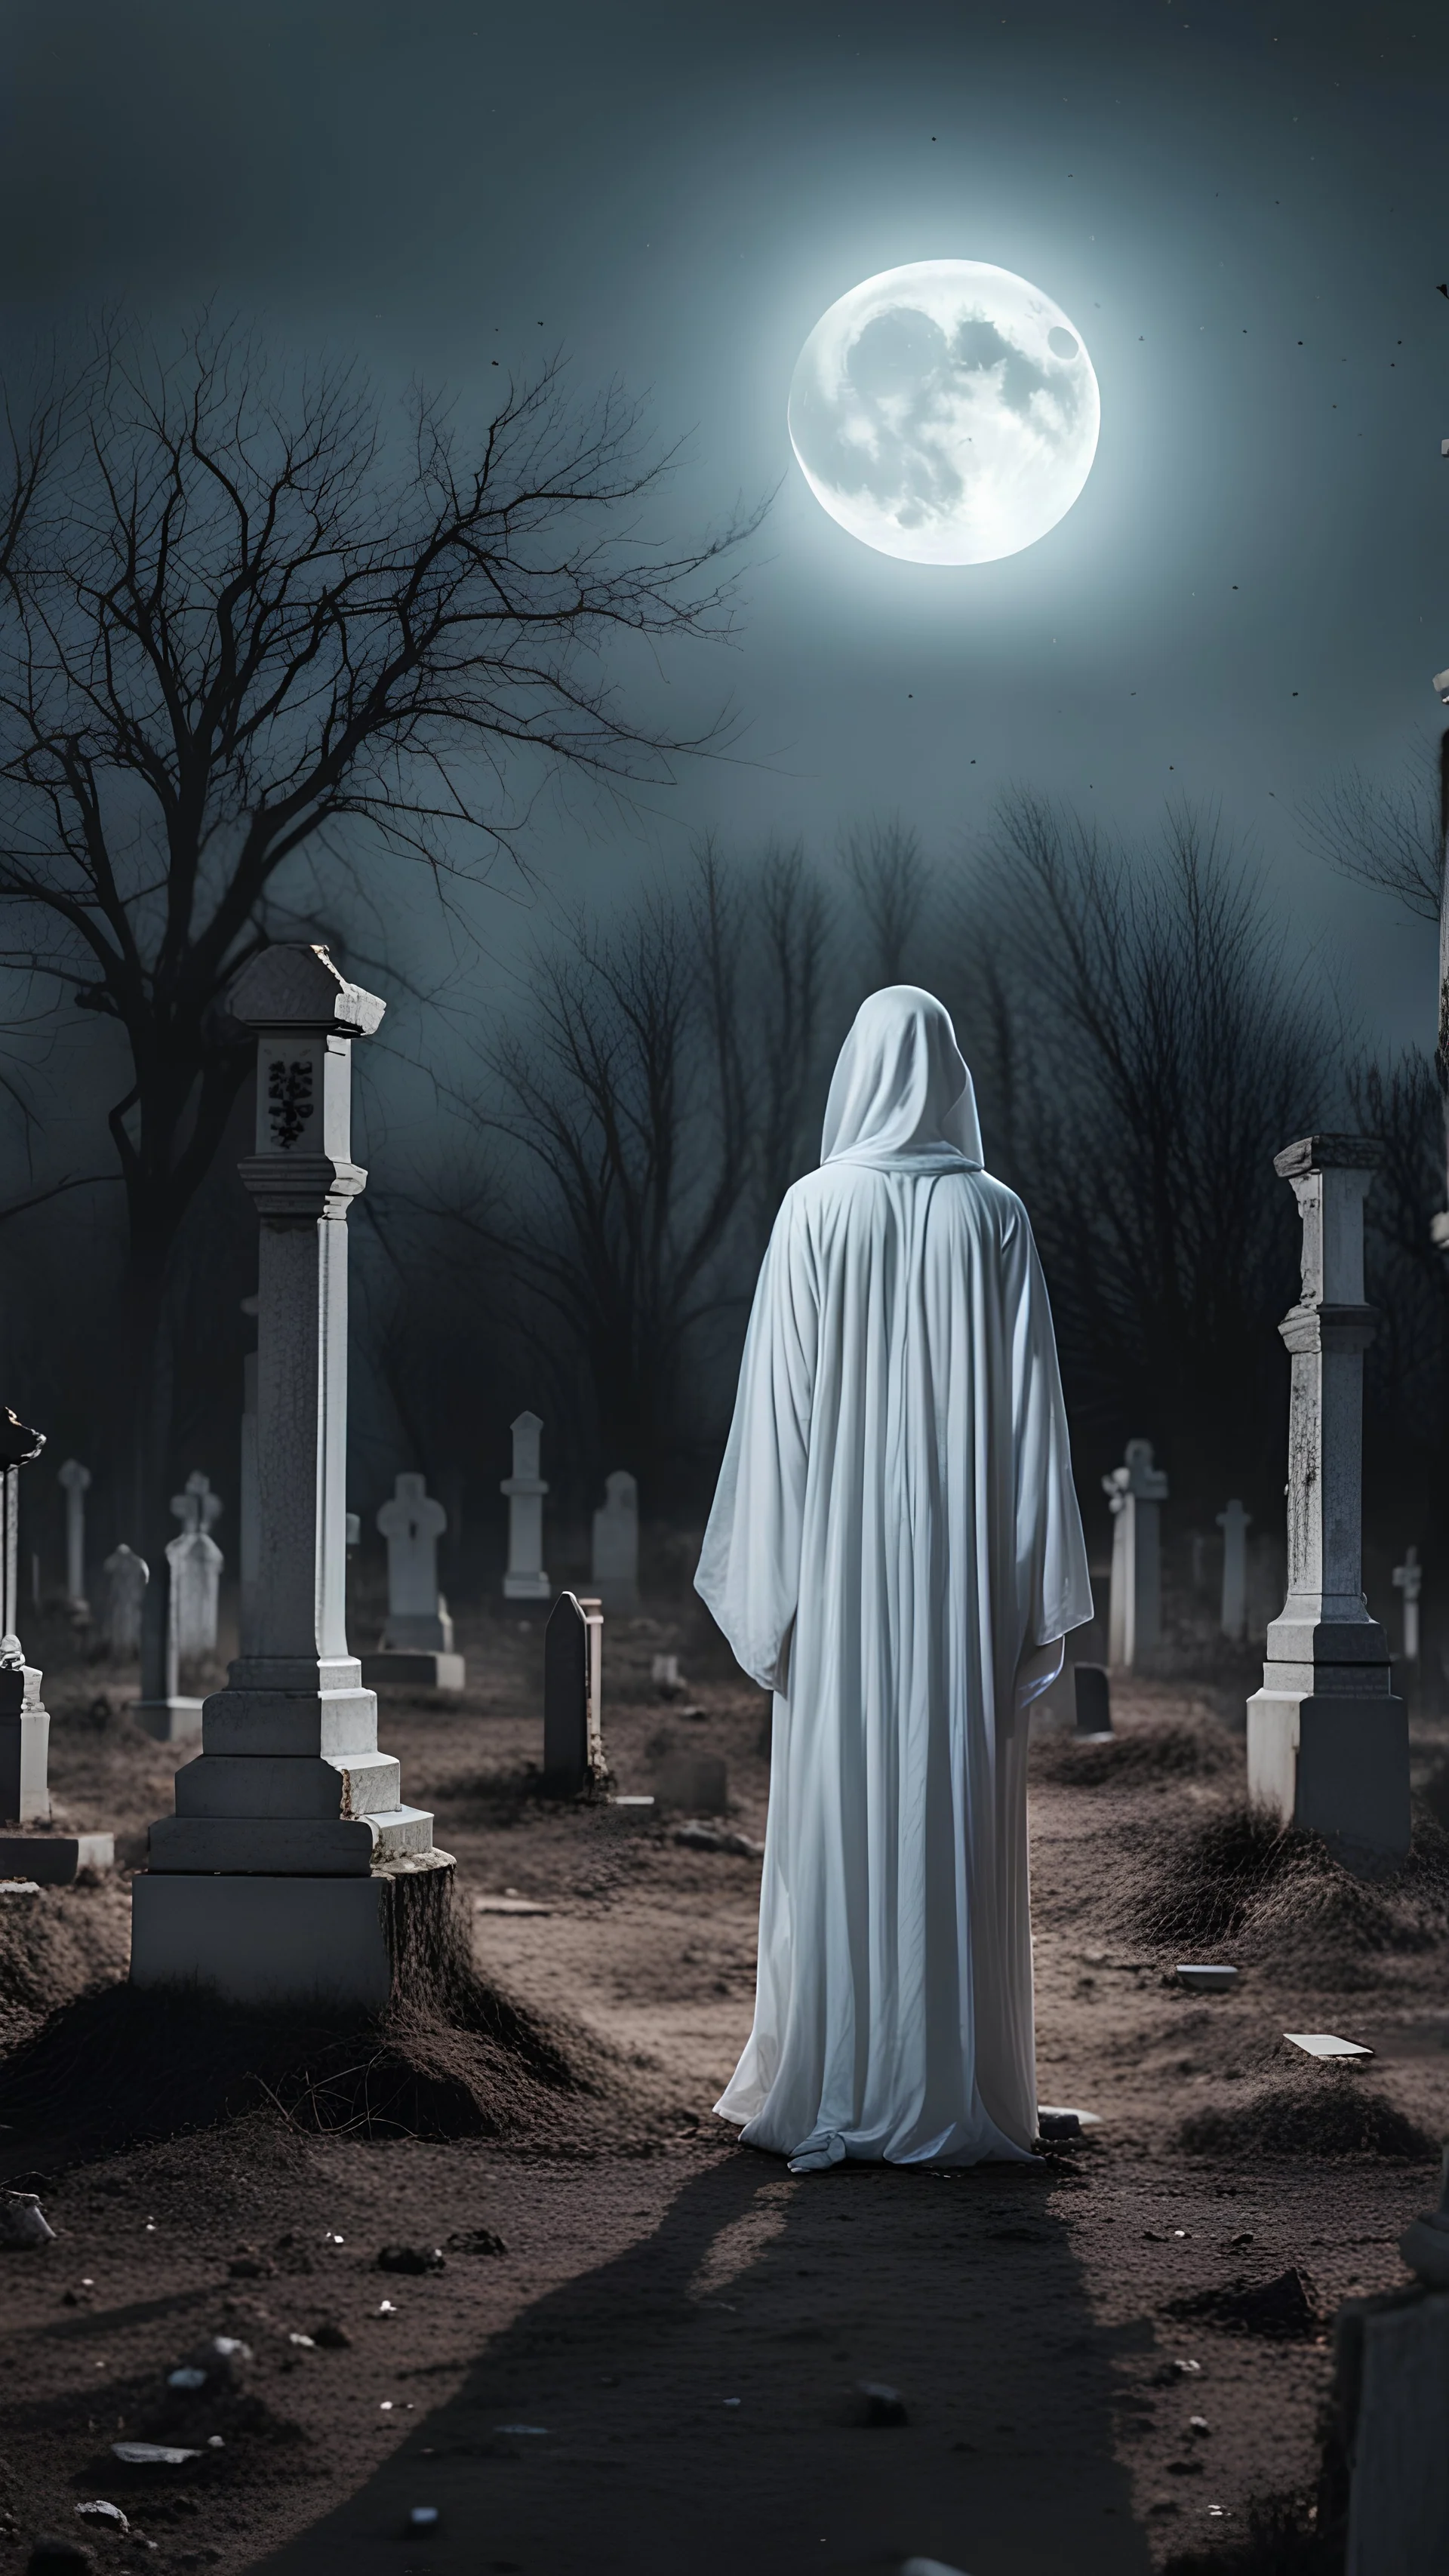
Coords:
1234,1524
616,1544
417,1641
195,1561
525,1579
291,1871
74,1480
1328,1741
127,1576
26,1852
1136,1491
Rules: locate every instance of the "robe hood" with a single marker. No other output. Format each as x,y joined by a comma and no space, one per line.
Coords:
901,1096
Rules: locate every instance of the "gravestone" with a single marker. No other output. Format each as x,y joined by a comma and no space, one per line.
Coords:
1093,1699
1391,2375
1136,1491
1234,1524
29,1849
616,1544
525,1579
574,1763
291,1871
416,1651
127,1576
1409,1579
1328,1741
74,1480
196,1562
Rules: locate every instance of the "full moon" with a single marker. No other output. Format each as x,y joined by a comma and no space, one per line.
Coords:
947,412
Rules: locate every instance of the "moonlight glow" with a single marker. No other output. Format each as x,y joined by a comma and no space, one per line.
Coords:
946,412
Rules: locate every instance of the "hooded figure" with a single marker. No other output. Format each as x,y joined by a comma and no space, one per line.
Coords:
895,1552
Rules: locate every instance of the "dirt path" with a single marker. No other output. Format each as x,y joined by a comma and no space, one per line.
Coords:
654,2271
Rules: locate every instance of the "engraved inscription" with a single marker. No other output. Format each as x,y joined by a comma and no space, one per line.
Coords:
289,1099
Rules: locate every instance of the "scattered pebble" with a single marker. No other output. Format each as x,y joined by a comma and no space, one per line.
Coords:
23,2223
424,2517
881,2405
520,2428
384,2405
307,2343
330,2337
152,2455
387,2309
411,2258
729,2401
110,2514
186,2378
214,2442
1198,2424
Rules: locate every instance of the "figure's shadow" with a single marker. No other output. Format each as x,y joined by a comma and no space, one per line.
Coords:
960,2291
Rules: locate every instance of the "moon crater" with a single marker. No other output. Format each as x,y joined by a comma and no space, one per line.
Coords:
946,413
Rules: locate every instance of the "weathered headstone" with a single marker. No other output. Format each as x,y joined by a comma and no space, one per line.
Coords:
1136,1491
616,1544
43,1856
525,1579
417,1641
74,1480
127,1576
574,1764
1328,1741
1234,1523
1093,1700
666,1676
291,1870
195,1561
1409,1579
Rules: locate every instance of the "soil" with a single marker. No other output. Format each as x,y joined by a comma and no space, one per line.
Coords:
645,2347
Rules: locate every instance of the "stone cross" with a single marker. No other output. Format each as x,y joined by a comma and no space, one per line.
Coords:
291,1872
73,1480
525,1579
1136,1491
1234,1524
24,1720
412,1524
127,1576
195,1563
573,1684
1328,1742
1409,1579
616,1544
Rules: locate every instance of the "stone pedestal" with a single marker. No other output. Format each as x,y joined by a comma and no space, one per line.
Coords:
268,1882
525,1579
1328,1742
616,1545
1234,1524
1136,1491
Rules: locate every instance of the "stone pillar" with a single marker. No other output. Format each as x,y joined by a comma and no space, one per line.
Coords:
248,1508
1136,1490
417,1641
1234,1524
1409,1579
525,1579
616,1544
127,1576
573,1693
195,1561
24,1719
1328,1742
74,1480
290,1863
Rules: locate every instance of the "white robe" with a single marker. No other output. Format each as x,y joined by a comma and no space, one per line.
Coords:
894,1538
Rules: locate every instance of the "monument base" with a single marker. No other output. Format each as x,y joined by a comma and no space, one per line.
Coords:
403,1668
170,1721
54,1860
1334,1765
338,1944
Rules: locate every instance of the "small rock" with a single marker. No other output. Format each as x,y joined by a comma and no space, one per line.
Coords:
186,2380
424,2517
1199,2424
249,2265
23,2224
881,2405
110,2515
222,2359
927,2567
152,2455
308,2343
332,2338
476,2240
411,2258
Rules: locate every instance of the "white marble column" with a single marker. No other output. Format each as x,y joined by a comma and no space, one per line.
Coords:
267,1881
1136,1491
1328,1745
525,1579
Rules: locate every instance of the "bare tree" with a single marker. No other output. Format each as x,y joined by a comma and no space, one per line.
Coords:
787,900
893,882
1143,1053
235,621
1389,837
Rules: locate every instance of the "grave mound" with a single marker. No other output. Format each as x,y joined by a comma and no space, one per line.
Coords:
1284,2309
450,2057
1316,2116
1238,1875
1135,1756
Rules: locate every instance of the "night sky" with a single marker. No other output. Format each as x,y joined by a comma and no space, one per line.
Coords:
1248,219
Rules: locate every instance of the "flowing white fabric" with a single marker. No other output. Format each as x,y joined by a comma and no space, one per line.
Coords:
895,1551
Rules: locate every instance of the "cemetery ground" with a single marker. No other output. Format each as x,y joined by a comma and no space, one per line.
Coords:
645,2348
